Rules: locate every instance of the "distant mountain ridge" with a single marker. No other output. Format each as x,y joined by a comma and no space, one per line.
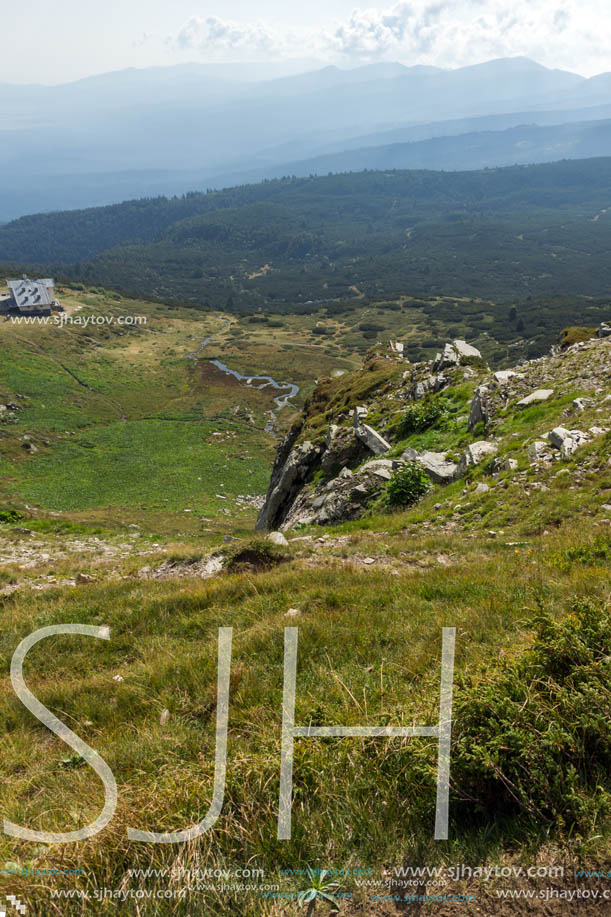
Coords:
139,132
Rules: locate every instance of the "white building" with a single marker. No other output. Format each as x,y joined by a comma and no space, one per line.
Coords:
31,297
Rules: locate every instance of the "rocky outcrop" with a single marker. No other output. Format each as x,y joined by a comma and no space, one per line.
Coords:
326,478
372,439
290,472
342,448
455,354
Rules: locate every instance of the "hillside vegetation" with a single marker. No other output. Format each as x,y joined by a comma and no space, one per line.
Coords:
514,554
537,236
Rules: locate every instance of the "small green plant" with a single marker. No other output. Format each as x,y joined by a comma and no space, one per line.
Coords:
422,416
10,516
533,736
320,889
407,485
598,551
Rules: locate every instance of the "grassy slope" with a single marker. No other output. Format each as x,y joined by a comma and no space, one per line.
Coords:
368,654
126,428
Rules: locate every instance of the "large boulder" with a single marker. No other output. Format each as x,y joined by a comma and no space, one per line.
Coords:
605,330
475,454
372,439
567,440
537,397
456,353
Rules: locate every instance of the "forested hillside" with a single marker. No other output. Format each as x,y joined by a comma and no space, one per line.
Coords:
527,234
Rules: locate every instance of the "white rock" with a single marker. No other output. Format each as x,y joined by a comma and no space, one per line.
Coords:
504,375
373,440
541,394
292,613
465,350
536,450
278,538
482,488
476,453
359,413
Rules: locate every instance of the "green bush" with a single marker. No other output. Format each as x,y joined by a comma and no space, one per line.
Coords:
422,416
407,485
534,738
10,515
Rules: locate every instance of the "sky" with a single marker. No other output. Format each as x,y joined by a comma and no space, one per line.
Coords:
64,40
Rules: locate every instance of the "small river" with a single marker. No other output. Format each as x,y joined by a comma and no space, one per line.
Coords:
289,389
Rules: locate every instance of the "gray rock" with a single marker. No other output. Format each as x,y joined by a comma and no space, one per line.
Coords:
438,467
537,450
466,350
372,439
480,411
540,395
568,441
341,449
505,464
359,414
289,473
278,538
504,375
476,453
605,330
382,468
481,488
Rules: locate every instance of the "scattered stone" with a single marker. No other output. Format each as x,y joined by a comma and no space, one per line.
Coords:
118,678
373,440
482,488
537,450
292,613
369,560
504,375
568,441
360,413
605,330
83,578
540,395
278,538
475,454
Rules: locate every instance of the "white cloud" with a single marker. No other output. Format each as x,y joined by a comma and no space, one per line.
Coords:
575,34
215,37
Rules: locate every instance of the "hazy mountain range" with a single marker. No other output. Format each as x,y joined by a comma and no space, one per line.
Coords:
137,133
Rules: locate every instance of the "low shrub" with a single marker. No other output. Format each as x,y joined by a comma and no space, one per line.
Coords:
422,416
534,737
407,485
10,515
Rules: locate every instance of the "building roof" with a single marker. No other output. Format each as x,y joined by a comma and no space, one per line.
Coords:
30,295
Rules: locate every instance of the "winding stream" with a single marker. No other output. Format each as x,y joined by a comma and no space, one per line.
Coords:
261,381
